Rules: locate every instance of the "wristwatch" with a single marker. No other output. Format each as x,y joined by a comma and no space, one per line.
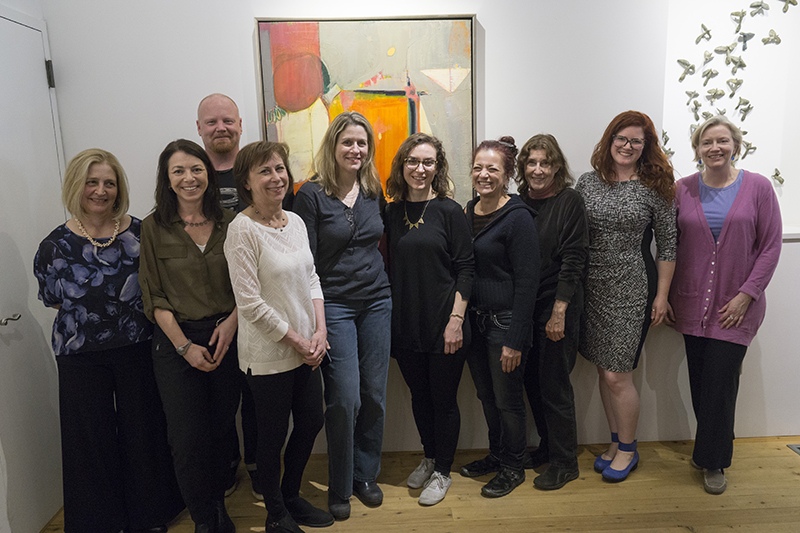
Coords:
183,349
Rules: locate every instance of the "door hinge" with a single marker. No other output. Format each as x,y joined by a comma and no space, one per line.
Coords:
48,67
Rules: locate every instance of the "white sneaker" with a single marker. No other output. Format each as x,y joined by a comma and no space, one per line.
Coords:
435,489
421,474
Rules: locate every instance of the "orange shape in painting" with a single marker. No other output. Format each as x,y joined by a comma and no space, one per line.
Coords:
297,82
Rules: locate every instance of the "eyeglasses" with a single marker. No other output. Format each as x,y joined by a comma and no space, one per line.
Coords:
412,163
621,141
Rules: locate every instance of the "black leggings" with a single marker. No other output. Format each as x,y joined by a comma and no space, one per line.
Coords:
433,379
297,392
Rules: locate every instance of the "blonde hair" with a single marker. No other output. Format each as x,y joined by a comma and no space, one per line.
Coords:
717,120
75,182
325,168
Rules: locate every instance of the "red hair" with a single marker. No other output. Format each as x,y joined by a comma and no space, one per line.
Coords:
653,168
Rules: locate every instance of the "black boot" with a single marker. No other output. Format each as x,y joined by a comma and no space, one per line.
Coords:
224,523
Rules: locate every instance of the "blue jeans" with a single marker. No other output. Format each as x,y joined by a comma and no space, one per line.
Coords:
359,333
501,393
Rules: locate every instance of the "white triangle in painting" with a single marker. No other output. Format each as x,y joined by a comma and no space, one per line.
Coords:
448,78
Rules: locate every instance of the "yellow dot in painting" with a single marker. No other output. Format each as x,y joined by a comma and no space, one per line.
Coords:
391,51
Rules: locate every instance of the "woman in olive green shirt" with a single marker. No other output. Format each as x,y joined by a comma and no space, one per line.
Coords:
186,291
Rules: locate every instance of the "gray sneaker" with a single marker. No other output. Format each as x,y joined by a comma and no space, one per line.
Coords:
435,489
421,474
714,481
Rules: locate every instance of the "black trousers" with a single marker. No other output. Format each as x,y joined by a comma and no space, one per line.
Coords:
297,392
714,368
117,469
249,425
549,388
200,408
433,380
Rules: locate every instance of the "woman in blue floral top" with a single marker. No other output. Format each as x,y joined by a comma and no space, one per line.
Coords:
117,470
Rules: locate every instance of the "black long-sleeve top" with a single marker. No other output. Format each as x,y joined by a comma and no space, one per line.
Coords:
507,267
428,265
344,242
563,245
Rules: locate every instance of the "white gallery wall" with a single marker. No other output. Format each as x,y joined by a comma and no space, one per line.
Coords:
129,76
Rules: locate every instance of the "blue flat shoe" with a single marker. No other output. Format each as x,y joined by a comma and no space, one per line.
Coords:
615,476
601,464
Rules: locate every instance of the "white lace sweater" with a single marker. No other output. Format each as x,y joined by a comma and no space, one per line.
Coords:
274,281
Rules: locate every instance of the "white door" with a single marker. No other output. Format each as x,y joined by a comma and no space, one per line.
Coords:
30,207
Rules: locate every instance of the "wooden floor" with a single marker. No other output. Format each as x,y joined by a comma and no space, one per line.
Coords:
664,494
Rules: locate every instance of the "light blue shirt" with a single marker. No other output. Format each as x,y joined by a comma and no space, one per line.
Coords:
717,202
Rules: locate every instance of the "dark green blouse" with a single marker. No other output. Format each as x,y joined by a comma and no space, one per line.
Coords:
175,275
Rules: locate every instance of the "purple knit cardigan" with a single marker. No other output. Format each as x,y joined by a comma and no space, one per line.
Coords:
708,275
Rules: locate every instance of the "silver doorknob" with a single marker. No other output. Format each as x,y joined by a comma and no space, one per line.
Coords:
5,321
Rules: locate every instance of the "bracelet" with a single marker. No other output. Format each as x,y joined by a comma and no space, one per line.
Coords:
457,316
183,349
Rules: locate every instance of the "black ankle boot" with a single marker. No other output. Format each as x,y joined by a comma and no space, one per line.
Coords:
224,523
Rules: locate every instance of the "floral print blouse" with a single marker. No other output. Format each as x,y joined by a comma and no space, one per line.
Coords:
97,290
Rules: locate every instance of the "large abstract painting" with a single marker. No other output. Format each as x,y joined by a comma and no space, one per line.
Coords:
404,75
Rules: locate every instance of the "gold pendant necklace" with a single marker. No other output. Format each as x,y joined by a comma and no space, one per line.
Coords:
94,242
419,221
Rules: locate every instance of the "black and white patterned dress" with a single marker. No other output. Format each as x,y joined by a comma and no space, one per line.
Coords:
621,280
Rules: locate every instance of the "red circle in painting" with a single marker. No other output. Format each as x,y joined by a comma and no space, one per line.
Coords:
298,82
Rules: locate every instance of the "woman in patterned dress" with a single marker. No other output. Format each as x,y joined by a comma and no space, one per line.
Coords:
628,197
118,473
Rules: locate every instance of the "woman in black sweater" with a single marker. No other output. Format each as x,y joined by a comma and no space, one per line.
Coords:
544,180
506,249
431,271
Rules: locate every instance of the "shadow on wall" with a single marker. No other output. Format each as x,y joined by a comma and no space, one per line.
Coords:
665,383
29,421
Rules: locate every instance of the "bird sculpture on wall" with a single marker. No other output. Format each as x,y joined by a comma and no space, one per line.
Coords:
734,84
759,8
743,38
772,39
708,74
688,69
706,34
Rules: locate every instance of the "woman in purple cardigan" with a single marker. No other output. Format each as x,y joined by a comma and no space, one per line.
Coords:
729,241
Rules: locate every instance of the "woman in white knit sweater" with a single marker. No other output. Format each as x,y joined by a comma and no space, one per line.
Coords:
282,334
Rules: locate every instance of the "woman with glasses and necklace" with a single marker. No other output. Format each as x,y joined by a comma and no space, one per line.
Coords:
341,206
628,198
431,268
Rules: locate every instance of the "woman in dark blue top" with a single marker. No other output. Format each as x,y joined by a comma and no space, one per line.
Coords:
117,470
506,249
341,206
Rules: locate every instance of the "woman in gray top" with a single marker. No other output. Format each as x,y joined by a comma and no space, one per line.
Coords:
341,206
